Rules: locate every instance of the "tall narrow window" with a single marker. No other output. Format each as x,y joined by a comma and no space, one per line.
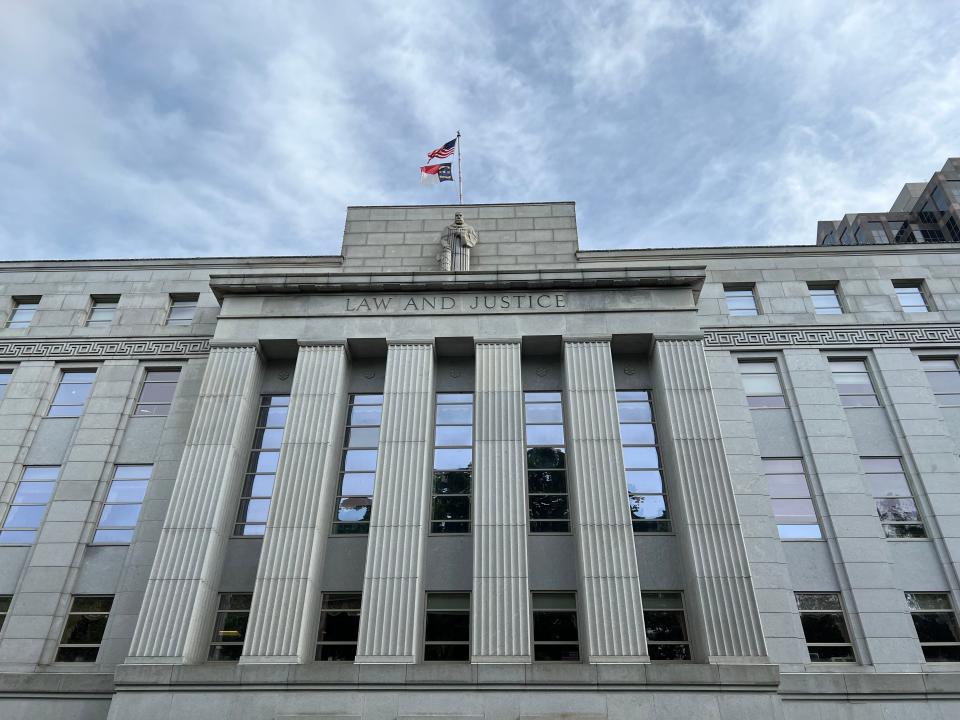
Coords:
825,628
262,467
358,465
741,300
5,601
555,633
230,626
877,234
72,393
790,496
118,518
853,383
911,296
29,504
891,491
641,462
5,376
761,383
826,300
666,626
936,626
83,631
546,462
103,308
452,463
157,392
339,627
182,309
944,378
446,634
23,310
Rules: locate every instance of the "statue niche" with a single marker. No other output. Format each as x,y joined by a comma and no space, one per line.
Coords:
455,243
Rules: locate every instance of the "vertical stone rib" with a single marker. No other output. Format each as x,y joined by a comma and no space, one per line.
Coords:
501,591
392,595
182,587
611,604
285,599
710,537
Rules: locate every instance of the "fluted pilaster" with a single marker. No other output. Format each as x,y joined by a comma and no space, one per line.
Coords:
611,605
282,625
392,610
501,591
182,588
710,536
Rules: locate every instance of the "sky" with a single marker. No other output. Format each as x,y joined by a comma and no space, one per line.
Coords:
231,127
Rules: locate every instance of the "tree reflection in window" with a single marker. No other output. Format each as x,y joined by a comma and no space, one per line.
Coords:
358,465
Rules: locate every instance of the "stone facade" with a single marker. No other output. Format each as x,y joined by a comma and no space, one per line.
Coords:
534,314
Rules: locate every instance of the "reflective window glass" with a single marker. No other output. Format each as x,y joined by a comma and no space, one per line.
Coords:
646,494
230,626
825,627
793,509
121,510
182,308
826,300
5,601
84,628
5,376
761,383
22,313
547,499
358,464
853,383
894,499
102,309
446,635
556,635
666,626
911,296
72,393
452,464
936,626
29,504
944,378
157,392
339,627
741,300
262,466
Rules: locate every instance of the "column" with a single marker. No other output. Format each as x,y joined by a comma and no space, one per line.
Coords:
500,618
286,596
611,605
181,592
392,608
710,536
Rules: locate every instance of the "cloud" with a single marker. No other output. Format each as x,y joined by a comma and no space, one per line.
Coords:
132,128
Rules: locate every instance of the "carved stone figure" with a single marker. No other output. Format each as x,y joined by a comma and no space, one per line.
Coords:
455,243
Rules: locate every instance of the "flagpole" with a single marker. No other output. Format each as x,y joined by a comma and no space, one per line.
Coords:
459,168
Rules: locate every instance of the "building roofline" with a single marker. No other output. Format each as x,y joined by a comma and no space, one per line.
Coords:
465,205
719,251
177,262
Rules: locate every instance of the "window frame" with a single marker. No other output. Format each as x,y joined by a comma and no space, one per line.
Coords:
321,643
214,643
743,362
6,602
102,302
817,289
751,288
920,286
61,645
809,497
434,495
64,372
666,521
561,403
553,643
427,611
143,383
107,502
172,305
18,302
927,373
846,628
646,596
7,374
251,472
45,505
951,611
831,359
359,527
912,497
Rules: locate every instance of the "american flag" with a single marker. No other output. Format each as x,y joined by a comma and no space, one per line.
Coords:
443,151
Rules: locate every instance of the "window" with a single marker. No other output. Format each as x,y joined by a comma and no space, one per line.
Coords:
83,631
740,300
641,462
790,496
666,626
546,462
339,627
230,626
121,510
5,376
911,296
446,634
936,626
72,393
452,463
5,601
157,392
23,310
825,628
953,187
877,234
761,382
853,383
826,301
102,309
262,467
182,309
944,378
891,491
29,504
555,634
954,229
358,465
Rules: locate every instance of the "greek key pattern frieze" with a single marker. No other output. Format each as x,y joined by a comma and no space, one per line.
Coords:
909,335
103,348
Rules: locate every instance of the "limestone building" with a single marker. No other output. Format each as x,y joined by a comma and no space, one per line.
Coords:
719,483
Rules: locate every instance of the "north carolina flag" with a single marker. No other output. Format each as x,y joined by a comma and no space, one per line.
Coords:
433,174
